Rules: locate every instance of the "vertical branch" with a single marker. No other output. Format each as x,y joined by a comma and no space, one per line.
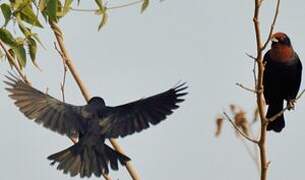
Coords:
68,61
259,93
259,88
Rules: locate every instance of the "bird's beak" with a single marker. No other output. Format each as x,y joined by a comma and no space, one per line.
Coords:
273,39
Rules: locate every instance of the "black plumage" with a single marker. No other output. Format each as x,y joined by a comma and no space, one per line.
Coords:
282,78
93,123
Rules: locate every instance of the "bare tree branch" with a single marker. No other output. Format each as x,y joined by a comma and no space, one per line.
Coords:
245,88
110,7
62,85
259,86
251,56
277,9
238,130
125,5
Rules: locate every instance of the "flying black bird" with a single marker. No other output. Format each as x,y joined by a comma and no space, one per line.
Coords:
93,123
282,78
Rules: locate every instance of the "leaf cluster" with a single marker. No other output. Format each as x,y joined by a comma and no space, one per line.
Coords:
21,18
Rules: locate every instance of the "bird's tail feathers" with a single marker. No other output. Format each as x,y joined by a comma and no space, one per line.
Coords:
279,123
84,160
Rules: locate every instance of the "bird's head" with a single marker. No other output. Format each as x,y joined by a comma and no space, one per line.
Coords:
281,48
94,107
279,39
97,102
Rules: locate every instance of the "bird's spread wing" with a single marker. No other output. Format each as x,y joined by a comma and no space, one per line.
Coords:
44,109
135,116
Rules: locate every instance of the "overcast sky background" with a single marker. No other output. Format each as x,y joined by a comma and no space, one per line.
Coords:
134,56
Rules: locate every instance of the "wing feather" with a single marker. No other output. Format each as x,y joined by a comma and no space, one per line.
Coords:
138,115
53,114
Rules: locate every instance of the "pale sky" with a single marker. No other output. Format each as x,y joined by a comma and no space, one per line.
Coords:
134,56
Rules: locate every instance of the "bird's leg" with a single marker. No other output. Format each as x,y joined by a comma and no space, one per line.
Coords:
291,104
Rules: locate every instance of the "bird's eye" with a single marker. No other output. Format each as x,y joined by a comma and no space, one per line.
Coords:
274,39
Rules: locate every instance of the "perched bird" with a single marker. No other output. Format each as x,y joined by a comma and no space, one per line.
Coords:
93,123
282,78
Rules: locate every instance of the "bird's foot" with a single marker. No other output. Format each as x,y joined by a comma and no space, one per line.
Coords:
291,104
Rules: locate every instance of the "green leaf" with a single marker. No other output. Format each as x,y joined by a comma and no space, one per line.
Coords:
19,4
29,16
103,20
35,36
32,49
26,31
52,9
59,8
144,5
42,5
19,41
21,55
67,6
99,4
6,11
7,37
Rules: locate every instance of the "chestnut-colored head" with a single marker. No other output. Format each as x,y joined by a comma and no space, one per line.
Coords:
280,38
281,48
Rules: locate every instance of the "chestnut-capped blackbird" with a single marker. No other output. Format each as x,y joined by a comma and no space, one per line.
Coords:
282,78
93,123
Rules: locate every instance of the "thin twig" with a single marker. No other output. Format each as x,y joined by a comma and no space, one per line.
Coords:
62,86
273,24
238,130
252,154
12,60
254,68
300,95
245,88
125,5
108,8
251,56
84,10
254,74
285,109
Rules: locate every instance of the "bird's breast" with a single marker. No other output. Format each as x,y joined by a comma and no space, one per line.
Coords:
282,54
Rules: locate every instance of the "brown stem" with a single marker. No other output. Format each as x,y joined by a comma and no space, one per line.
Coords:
259,88
59,37
12,60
